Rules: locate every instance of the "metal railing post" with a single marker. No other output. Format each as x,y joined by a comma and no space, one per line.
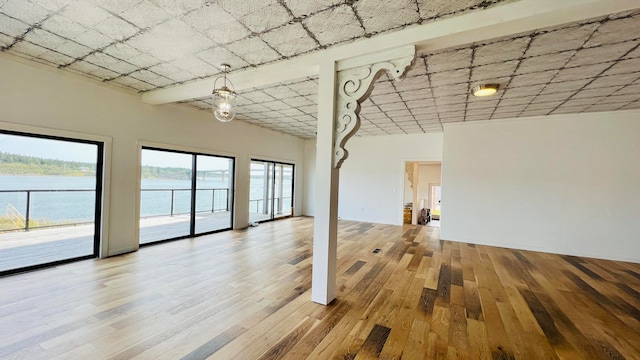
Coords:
213,200
172,197
26,220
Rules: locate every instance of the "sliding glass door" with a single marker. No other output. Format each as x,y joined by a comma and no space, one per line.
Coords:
184,194
50,200
271,195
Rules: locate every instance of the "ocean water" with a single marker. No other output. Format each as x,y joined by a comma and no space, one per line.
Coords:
79,206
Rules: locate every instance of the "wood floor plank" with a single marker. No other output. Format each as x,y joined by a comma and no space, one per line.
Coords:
246,294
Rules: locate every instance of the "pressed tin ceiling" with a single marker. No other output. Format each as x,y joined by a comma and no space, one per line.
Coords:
144,45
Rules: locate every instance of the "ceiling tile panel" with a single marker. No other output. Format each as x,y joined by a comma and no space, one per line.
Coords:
5,40
116,28
600,92
412,83
117,6
230,31
492,72
501,51
386,98
629,89
56,58
508,102
614,31
629,66
266,18
145,14
208,17
565,86
302,9
601,54
44,38
297,102
506,115
529,90
631,106
419,68
253,50
554,61
532,78
633,54
279,40
581,72
178,8
570,38
450,77
605,107
121,51
26,11
449,60
73,49
570,109
613,80
12,27
219,55
27,48
380,16
93,39
441,8
85,13
416,94
334,25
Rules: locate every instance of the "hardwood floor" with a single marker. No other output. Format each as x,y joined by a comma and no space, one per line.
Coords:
246,295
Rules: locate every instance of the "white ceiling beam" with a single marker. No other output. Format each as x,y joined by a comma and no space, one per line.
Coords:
504,20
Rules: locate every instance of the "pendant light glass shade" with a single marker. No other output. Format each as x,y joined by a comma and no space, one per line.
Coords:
224,99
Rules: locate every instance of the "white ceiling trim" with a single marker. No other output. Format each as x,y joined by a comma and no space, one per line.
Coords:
512,18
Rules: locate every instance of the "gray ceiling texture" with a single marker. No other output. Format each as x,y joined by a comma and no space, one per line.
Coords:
143,45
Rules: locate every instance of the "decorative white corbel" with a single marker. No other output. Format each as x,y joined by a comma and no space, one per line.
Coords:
355,84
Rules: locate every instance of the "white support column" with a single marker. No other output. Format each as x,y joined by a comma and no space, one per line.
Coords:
343,87
325,229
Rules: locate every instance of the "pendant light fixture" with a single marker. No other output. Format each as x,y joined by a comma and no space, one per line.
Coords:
224,99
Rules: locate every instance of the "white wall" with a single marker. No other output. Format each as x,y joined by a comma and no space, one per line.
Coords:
567,184
46,101
372,178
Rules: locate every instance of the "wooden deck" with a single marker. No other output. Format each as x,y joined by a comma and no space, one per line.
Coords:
246,295
40,246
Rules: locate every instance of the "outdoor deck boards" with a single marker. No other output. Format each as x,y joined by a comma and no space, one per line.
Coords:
40,246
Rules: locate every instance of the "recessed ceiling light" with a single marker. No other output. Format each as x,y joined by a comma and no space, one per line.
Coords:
486,89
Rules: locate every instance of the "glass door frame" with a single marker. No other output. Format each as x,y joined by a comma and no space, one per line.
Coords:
97,219
193,191
271,182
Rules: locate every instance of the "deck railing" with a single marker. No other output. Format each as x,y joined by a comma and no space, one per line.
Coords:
259,204
24,221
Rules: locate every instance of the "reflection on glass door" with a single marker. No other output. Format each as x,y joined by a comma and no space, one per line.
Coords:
50,200
178,202
271,195
213,193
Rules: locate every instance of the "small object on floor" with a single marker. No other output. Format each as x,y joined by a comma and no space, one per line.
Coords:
375,251
253,224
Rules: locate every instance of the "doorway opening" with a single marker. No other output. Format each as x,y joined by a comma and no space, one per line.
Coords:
271,191
422,197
